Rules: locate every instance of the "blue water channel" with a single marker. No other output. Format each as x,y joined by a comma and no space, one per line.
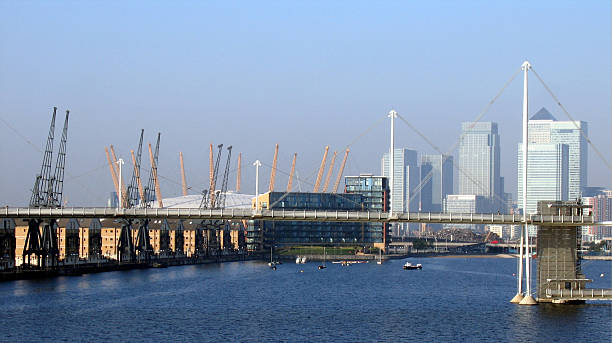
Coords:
451,299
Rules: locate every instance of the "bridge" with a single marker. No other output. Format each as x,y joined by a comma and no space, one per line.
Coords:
296,215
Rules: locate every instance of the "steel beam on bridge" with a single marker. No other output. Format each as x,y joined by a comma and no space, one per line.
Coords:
294,215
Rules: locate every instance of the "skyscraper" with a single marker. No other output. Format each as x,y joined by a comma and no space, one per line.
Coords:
479,160
547,178
404,195
436,181
405,180
546,129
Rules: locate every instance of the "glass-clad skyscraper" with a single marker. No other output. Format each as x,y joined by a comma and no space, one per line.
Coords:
544,128
436,181
547,178
479,162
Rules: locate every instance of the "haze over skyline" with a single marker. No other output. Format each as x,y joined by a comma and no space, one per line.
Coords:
303,75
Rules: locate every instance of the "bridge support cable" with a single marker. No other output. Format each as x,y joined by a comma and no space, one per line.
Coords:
599,154
446,155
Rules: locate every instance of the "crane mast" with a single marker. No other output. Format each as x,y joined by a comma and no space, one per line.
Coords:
138,179
329,172
58,178
222,194
213,200
337,183
154,174
123,191
321,170
112,171
239,172
273,172
40,192
290,182
132,190
183,180
151,189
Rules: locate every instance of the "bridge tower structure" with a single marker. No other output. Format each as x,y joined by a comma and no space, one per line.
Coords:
558,251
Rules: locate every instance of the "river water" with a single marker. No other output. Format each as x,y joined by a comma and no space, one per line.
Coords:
451,299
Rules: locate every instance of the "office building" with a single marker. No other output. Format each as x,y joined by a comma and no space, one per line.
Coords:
479,160
404,191
547,177
436,181
544,128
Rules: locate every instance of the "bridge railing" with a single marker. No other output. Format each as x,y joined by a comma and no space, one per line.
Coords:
592,293
293,215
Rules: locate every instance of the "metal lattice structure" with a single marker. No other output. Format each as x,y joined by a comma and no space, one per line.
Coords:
47,193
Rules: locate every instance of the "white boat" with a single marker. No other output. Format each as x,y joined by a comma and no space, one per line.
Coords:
379,257
410,266
303,259
298,260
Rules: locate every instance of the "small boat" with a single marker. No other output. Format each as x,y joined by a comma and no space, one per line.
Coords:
298,260
271,264
410,266
322,266
303,260
379,257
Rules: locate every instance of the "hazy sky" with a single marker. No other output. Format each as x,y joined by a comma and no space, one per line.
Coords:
303,74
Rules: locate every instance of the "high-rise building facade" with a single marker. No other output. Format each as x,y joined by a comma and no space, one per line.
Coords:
436,181
404,193
404,197
547,178
546,129
479,162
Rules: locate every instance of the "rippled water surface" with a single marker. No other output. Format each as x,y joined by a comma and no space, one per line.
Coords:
451,299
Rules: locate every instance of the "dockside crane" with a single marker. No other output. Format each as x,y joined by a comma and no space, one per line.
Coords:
47,193
321,170
290,182
339,177
157,193
133,189
222,194
329,172
138,179
152,189
273,172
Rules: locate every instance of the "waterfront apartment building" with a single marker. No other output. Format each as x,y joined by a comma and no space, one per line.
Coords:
375,197
544,128
436,181
287,233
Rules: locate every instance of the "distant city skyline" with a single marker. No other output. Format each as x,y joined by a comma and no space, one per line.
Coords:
303,75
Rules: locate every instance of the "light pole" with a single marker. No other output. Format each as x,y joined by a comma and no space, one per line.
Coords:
120,163
257,164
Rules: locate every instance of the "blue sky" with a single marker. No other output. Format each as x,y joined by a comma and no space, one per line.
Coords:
301,74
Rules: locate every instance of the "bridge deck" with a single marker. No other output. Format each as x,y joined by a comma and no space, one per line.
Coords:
293,215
